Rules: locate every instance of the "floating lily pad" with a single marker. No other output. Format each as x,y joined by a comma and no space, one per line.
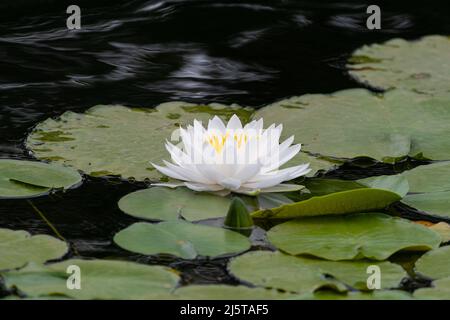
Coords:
435,264
302,275
159,203
439,291
433,177
395,183
422,65
430,187
116,140
226,292
358,295
358,123
17,248
436,203
24,179
181,239
365,235
100,279
321,187
357,200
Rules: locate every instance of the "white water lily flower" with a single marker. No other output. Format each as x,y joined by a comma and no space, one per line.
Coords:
231,158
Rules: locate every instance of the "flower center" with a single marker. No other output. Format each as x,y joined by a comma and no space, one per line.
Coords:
217,141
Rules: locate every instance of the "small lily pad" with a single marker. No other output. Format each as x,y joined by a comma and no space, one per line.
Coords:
159,203
181,239
302,275
364,235
99,279
435,264
25,179
226,292
351,201
17,248
422,65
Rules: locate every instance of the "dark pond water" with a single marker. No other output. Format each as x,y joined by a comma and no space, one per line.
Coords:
141,53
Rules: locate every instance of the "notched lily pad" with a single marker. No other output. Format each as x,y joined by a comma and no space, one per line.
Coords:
364,235
306,275
422,65
181,239
100,279
17,248
160,203
358,123
25,179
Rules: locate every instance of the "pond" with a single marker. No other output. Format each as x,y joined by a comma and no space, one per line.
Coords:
143,53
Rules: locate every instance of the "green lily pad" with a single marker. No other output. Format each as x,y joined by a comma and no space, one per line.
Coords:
430,187
25,179
435,264
226,292
120,141
395,183
99,279
436,203
364,235
422,65
433,177
302,275
358,123
358,295
439,291
321,187
181,239
17,248
351,201
159,203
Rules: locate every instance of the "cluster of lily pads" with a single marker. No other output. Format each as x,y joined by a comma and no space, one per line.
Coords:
322,238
